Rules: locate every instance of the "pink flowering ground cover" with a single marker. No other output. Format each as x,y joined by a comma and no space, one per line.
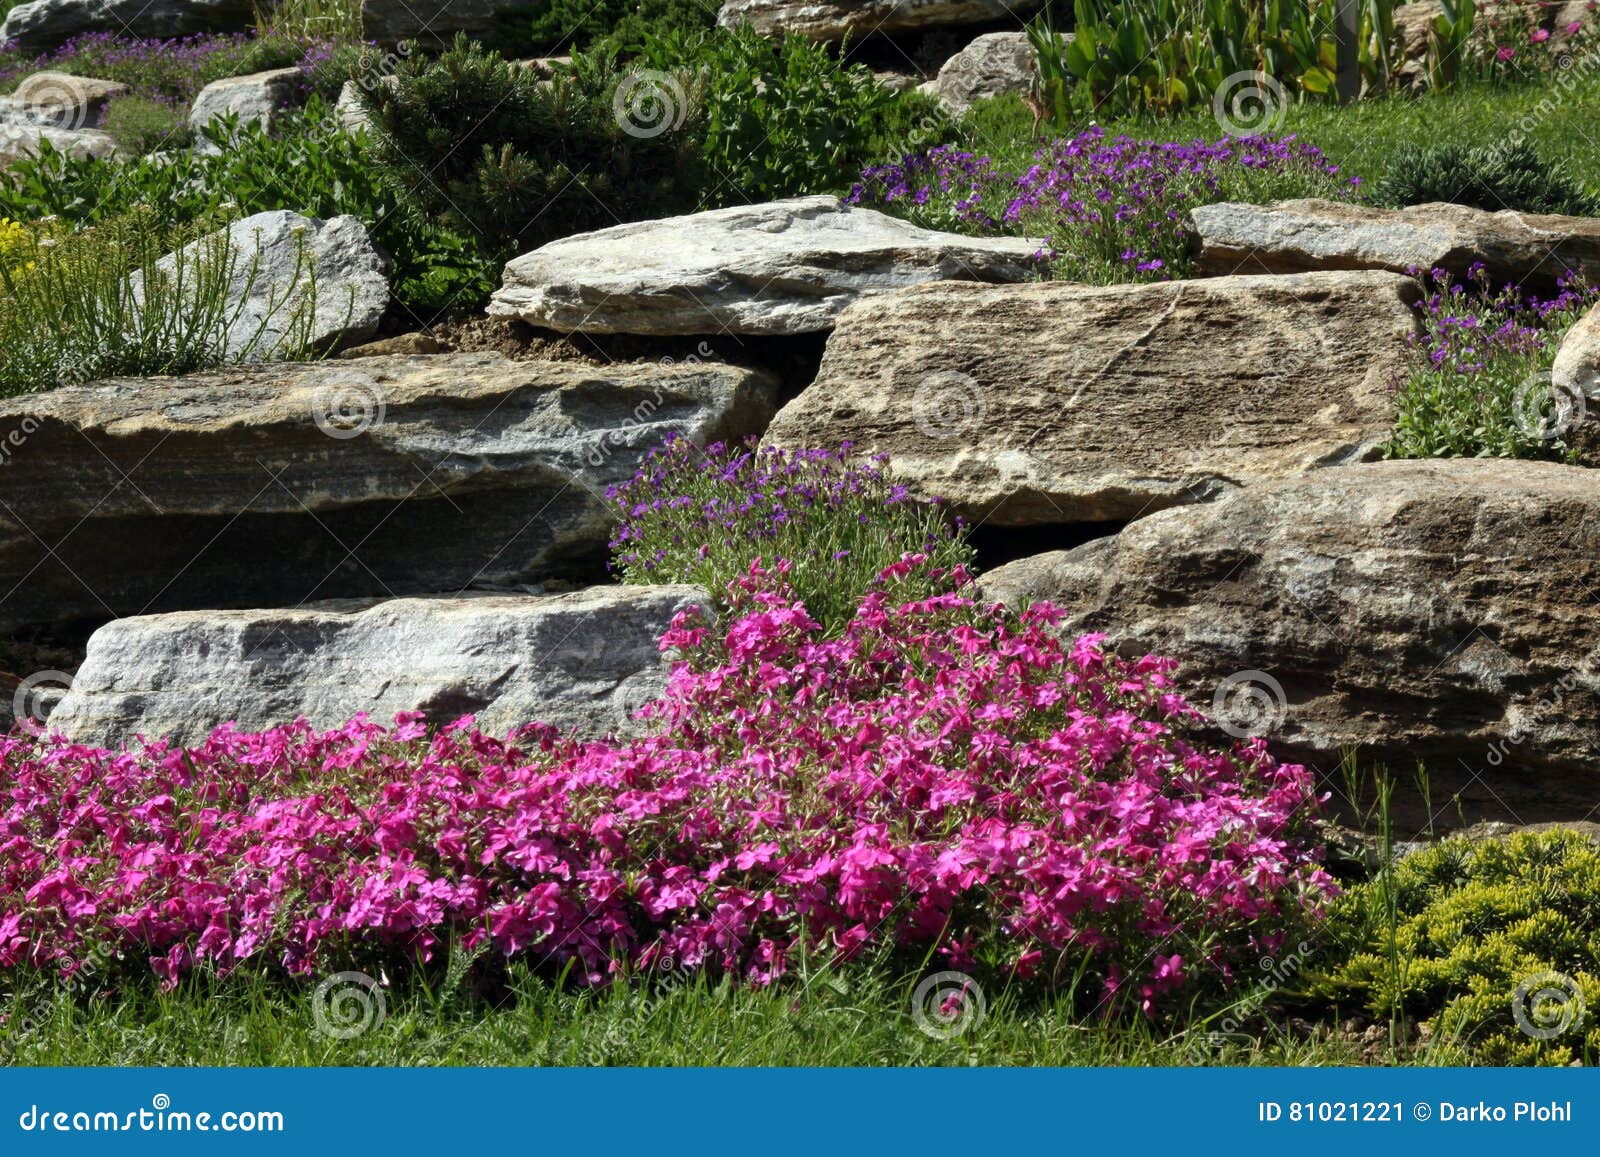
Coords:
941,777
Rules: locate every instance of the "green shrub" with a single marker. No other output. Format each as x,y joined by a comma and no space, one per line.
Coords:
786,117
1492,177
307,163
491,150
145,124
70,311
619,27
1491,941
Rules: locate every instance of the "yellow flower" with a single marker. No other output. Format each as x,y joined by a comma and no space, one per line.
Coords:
16,245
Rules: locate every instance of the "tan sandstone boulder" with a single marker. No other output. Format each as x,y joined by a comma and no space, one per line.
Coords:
1057,403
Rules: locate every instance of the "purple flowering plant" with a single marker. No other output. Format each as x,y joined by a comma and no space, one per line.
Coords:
1478,382
1105,209
172,69
838,519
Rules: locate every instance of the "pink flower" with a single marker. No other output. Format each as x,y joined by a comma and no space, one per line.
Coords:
1540,35
1504,53
941,777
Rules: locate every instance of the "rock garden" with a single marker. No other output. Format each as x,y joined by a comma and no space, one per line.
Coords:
653,532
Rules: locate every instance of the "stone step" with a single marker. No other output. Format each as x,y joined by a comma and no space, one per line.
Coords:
278,484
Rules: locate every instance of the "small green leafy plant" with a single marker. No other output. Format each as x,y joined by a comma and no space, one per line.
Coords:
1498,942
782,117
1162,56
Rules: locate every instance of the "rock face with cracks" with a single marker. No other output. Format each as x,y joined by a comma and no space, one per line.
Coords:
1441,611
281,484
1056,403
992,65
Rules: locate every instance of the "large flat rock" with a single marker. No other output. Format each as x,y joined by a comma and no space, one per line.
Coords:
1442,611
43,24
582,661
782,267
1294,236
276,485
823,20
1055,403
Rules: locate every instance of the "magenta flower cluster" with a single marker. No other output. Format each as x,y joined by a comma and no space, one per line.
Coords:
1118,204
941,777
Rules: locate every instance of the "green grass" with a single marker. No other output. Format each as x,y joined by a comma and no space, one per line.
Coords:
859,1017
1364,137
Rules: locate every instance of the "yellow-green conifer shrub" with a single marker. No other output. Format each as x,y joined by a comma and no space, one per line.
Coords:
1497,944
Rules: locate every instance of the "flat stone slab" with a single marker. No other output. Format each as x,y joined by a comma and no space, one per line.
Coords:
783,267
43,24
277,485
1049,403
824,20
1439,610
583,661
1295,236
